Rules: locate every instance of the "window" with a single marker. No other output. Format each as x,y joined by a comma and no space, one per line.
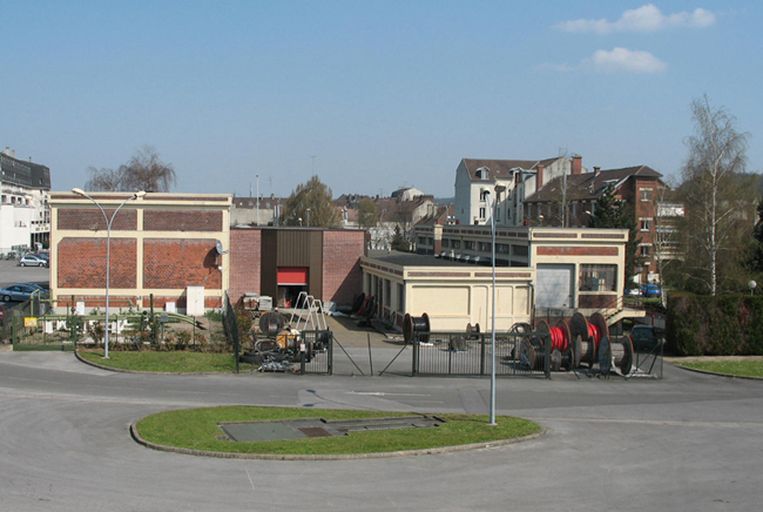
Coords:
485,247
400,298
483,195
387,292
445,243
520,250
645,194
502,248
456,244
644,250
645,224
598,278
482,212
468,245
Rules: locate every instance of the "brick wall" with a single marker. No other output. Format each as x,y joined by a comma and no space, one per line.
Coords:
169,263
85,263
92,219
182,220
342,277
577,251
608,300
245,266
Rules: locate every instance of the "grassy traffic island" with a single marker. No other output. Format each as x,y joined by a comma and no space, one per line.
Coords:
751,367
163,362
302,433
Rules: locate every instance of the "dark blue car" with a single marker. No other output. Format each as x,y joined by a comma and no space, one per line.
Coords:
651,290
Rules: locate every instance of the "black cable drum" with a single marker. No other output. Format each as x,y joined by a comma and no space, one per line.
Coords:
416,327
271,323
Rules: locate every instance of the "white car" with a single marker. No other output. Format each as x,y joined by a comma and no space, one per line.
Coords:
30,260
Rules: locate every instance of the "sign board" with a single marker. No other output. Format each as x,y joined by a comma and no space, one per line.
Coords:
30,321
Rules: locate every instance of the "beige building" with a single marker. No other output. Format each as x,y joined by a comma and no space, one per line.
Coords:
539,271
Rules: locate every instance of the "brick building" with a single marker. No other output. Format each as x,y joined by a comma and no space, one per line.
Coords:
571,200
161,244
281,262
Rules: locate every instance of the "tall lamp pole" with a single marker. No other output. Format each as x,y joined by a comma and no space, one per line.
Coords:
498,190
109,222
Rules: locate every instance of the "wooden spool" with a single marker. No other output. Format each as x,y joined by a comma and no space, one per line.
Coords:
472,331
586,336
416,327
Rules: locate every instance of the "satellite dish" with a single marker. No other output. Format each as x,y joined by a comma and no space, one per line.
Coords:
219,247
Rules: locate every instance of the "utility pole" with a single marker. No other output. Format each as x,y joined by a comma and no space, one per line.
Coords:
257,218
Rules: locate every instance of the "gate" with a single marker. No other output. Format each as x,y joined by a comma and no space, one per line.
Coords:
459,354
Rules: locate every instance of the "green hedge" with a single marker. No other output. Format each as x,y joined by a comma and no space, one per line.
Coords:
723,325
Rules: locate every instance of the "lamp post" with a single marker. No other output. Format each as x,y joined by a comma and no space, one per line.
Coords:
109,222
491,421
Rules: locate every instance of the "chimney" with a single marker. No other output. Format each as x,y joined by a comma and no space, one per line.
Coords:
577,164
596,171
539,177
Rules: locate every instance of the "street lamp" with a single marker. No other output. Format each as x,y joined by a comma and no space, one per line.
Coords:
109,222
307,212
498,190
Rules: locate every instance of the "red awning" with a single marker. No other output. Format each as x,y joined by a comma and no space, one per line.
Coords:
292,276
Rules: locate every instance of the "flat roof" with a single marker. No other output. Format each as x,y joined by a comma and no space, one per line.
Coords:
409,259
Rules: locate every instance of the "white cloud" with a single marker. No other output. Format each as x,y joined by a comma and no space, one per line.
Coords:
623,59
647,18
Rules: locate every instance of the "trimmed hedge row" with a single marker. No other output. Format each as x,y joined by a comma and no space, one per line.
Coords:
723,325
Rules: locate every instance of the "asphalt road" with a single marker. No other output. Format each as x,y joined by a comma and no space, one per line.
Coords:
689,442
11,273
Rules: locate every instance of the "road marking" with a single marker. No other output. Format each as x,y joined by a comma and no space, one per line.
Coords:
382,393
250,480
658,423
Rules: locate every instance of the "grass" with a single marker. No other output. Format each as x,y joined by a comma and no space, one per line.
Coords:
198,429
752,368
170,362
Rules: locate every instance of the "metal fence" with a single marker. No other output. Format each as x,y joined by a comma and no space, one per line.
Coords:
459,354
27,327
648,360
316,352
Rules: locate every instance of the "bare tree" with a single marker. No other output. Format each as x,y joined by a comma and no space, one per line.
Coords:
144,171
716,155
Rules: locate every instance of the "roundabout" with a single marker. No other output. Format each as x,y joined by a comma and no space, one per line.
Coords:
690,441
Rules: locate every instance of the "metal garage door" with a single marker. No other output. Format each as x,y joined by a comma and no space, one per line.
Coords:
291,276
553,288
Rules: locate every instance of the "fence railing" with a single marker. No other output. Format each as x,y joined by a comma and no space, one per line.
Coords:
459,354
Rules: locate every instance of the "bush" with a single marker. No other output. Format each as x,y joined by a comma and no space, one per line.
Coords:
721,325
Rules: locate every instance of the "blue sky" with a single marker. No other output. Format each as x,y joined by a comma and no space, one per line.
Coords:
383,94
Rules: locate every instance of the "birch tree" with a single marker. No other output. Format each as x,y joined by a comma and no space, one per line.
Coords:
716,156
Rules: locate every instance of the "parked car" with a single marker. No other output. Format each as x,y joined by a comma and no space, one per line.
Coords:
21,292
651,290
30,260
